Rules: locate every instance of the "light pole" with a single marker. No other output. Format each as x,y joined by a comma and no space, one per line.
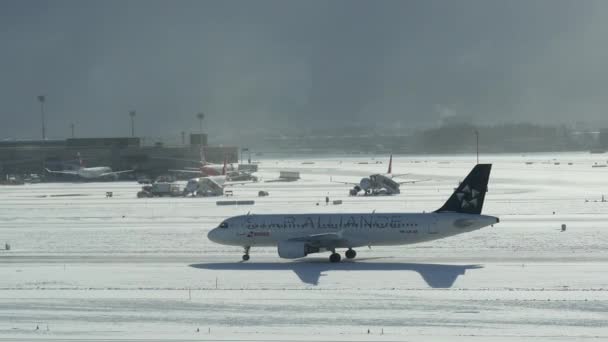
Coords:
243,150
41,99
477,143
200,117
132,115
72,129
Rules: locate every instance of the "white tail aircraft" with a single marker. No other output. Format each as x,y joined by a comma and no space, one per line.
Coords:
298,235
378,184
90,172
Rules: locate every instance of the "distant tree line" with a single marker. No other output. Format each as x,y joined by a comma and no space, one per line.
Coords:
520,137
450,138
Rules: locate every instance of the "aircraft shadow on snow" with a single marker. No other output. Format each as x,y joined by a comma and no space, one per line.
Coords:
309,271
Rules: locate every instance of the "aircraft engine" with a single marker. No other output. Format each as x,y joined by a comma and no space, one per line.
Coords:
365,184
294,249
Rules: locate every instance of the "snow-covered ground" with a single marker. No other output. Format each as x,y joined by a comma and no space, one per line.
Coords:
83,266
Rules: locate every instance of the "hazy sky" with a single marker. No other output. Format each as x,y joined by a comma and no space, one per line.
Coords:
297,64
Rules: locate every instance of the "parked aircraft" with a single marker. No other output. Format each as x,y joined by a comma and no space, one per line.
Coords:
205,186
208,169
378,184
298,235
210,185
90,172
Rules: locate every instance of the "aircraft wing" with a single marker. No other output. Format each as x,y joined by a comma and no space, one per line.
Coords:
194,172
398,175
236,183
177,159
324,240
66,172
414,181
115,173
341,182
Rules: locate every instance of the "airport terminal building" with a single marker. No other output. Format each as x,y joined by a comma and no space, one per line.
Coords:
33,156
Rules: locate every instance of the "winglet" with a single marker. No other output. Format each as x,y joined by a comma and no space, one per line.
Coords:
390,165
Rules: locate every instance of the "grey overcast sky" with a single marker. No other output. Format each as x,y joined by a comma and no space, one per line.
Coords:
256,65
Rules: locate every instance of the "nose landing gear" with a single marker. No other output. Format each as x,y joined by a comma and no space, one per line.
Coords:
246,255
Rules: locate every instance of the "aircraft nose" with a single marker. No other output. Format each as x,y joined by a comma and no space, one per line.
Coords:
213,235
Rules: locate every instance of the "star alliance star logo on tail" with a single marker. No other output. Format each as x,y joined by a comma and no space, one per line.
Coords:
468,197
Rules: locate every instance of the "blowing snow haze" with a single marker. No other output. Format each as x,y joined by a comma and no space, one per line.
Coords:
282,66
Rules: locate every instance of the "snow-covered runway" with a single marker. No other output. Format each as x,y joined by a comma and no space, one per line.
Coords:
83,266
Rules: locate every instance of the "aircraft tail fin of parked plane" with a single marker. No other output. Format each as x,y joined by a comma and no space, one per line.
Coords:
468,197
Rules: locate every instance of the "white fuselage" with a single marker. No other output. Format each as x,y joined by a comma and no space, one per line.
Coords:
354,230
216,169
93,172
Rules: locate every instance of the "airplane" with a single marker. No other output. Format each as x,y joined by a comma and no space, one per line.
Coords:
298,235
210,185
236,175
205,186
378,184
208,169
90,172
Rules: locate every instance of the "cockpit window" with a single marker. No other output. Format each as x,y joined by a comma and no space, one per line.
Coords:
224,225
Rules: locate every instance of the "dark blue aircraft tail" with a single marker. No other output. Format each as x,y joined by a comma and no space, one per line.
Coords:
468,197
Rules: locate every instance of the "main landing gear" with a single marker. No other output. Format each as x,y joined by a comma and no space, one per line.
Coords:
350,253
335,257
246,255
